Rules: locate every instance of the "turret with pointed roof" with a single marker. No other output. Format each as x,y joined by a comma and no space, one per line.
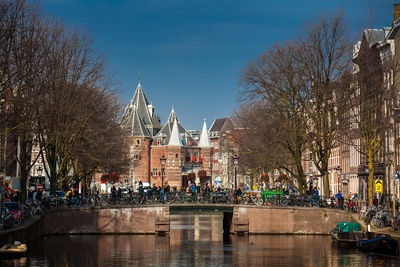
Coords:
133,123
204,139
175,138
143,110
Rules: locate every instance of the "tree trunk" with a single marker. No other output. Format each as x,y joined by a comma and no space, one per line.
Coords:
52,163
370,177
23,168
325,184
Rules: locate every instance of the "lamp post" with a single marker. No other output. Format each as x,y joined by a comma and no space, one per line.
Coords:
162,161
236,163
39,172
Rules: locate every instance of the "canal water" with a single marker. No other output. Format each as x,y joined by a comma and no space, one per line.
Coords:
194,240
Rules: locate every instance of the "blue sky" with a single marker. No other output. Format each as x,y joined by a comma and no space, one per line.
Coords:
190,53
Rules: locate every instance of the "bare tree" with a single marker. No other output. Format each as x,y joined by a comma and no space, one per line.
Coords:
277,79
21,73
103,147
255,135
54,87
325,57
65,117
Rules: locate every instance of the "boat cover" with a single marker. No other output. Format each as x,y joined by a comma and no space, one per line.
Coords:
348,227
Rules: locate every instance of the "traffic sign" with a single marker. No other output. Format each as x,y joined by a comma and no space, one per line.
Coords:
378,186
39,187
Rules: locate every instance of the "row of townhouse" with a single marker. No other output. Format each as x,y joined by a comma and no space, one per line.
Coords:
348,168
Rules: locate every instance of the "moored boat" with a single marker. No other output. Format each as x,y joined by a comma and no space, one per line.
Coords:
15,249
381,244
346,234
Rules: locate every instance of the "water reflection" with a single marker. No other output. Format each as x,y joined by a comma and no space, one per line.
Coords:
194,240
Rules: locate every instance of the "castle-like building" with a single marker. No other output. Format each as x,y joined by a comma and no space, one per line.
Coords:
164,154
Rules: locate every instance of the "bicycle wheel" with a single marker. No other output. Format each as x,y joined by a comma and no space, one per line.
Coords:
259,202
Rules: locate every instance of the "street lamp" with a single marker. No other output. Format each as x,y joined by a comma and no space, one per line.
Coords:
39,171
162,161
236,163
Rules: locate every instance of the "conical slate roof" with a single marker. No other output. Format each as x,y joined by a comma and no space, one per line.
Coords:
142,105
204,139
133,123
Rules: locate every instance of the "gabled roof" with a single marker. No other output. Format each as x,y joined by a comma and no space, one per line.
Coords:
166,130
204,139
374,36
218,124
133,123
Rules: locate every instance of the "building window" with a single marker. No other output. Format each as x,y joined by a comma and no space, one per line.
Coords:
137,141
155,172
188,156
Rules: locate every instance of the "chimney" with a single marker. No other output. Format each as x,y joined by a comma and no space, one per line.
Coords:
396,12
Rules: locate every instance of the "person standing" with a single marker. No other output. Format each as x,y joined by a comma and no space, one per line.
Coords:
113,194
316,196
39,195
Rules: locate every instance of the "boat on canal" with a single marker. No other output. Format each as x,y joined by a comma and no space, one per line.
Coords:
346,234
381,243
16,249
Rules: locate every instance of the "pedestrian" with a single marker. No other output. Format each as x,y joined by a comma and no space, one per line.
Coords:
161,194
316,196
316,193
375,202
38,197
68,196
167,191
30,195
113,194
119,194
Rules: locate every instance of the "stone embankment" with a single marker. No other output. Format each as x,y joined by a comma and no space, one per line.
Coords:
155,219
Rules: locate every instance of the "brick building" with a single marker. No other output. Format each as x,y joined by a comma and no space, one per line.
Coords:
223,151
151,142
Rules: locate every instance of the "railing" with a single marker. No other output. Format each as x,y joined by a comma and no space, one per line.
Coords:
132,199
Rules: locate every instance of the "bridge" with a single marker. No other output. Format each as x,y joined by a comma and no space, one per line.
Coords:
155,219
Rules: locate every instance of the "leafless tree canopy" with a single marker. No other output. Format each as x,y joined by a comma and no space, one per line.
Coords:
55,88
300,80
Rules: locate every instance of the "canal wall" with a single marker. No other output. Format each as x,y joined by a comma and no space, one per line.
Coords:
144,220
289,220
155,219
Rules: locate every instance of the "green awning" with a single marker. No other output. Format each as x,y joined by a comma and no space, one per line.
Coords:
348,227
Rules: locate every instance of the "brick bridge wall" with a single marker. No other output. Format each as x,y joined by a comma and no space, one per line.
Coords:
273,220
144,220
150,220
